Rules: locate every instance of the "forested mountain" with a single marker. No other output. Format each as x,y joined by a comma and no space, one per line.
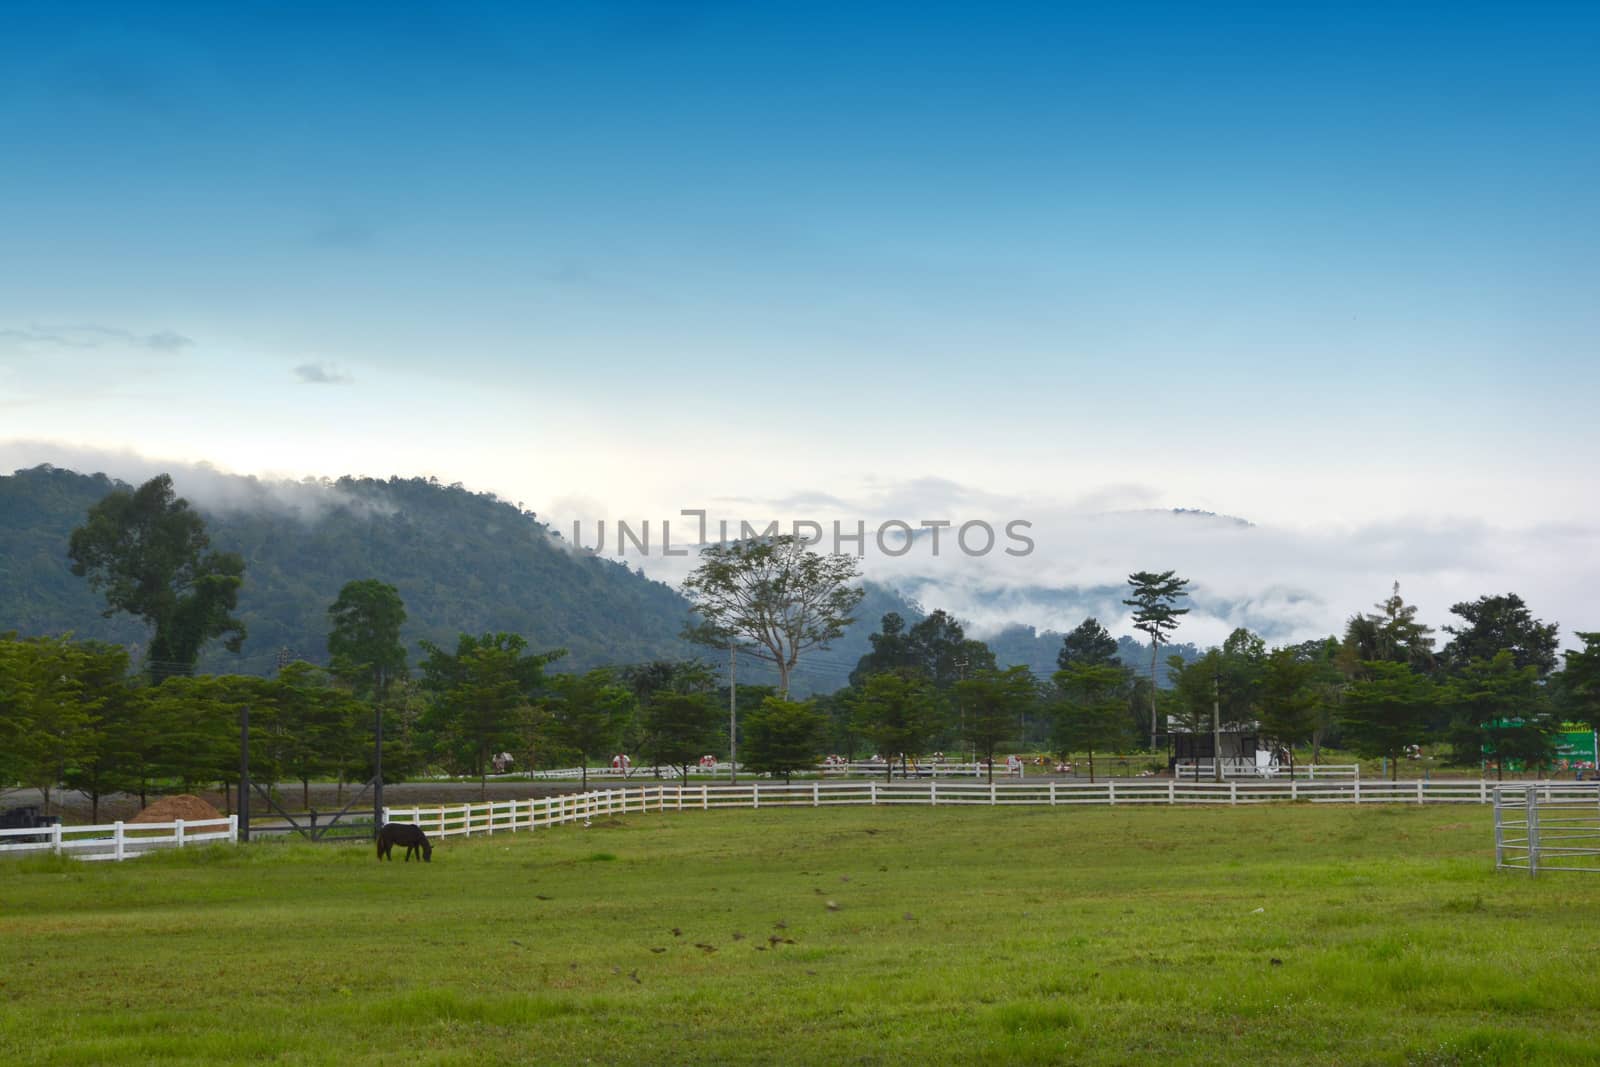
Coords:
462,561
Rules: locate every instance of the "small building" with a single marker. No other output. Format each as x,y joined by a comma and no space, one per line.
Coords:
1242,750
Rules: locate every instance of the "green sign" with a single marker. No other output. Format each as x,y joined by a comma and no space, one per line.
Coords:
1575,744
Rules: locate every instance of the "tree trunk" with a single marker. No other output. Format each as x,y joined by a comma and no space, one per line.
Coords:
1091,766
1155,646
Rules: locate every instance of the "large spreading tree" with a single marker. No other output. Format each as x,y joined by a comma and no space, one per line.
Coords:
1495,624
150,555
776,595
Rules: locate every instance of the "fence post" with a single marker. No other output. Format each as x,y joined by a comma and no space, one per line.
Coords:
1052,793
1499,833
1111,792
991,794
1419,790
1294,792
177,833
874,791
816,794
1531,797
705,796
1172,791
755,793
55,836
1233,793
933,794
116,838
1358,787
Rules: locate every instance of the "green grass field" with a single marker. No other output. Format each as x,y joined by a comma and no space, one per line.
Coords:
859,935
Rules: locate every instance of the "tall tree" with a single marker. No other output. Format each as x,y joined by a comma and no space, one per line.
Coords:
942,651
1387,710
994,702
1497,624
48,715
313,728
1155,612
776,594
1501,713
484,695
364,637
1392,635
110,761
1088,644
588,713
1581,680
900,713
1090,712
149,553
679,728
892,650
783,736
1288,704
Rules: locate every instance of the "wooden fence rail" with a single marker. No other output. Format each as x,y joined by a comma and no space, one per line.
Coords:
118,840
501,816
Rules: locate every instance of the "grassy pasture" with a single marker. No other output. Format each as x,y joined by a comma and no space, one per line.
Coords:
1282,934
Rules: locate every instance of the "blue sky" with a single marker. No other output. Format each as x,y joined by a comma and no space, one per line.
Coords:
1323,266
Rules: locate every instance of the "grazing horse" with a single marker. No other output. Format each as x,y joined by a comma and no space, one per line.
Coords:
399,833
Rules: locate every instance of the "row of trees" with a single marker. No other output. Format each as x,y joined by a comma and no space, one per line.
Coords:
75,713
1493,694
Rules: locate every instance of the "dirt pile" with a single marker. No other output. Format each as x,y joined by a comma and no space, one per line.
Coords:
184,806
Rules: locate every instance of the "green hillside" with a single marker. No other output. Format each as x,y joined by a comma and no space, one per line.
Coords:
462,561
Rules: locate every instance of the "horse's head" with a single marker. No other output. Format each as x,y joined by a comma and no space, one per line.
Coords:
427,851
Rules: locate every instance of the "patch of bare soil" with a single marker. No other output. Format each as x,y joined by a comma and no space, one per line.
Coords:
185,806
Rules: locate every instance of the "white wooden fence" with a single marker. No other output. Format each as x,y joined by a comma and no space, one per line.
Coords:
500,816
1540,830
118,840
1244,768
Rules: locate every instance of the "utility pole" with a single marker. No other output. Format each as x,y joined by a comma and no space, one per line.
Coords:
377,757
244,772
1216,725
733,712
961,709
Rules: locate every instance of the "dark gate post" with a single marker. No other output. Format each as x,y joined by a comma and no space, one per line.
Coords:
244,772
377,777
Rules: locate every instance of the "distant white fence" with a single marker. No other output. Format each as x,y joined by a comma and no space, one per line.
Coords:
1539,830
499,816
118,841
1245,768
856,768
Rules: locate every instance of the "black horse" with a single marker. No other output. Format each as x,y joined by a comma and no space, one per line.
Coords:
399,833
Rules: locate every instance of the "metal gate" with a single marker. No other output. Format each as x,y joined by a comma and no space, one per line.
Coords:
1547,827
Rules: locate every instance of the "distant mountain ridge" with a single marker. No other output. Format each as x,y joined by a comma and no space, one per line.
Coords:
462,561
